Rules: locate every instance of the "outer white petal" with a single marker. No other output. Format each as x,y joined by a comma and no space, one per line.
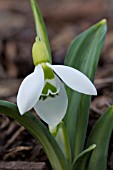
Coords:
53,109
74,79
30,90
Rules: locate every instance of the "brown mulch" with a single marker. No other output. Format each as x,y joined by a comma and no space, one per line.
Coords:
18,149
20,165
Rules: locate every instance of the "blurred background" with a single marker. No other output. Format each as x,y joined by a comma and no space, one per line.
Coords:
64,20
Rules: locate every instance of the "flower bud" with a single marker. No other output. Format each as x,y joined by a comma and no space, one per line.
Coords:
39,52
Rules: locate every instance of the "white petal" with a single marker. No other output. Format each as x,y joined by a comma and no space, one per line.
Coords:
30,90
53,109
74,79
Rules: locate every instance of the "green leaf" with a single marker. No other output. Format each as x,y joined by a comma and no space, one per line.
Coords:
100,135
40,132
83,54
40,26
80,159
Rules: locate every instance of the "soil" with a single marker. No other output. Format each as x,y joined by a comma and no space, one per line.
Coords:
18,149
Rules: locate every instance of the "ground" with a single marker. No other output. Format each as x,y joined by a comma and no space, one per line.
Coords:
64,19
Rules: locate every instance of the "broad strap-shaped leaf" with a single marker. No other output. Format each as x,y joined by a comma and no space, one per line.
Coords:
40,25
40,132
80,160
83,54
100,135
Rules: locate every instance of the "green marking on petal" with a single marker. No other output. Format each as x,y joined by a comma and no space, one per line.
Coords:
49,87
48,72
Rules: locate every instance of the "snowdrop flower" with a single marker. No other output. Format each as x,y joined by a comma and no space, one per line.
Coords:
44,90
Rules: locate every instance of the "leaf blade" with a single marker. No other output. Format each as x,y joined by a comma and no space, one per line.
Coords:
83,54
79,162
101,134
39,131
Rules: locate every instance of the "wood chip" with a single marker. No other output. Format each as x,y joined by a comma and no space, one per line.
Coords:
14,137
19,165
19,150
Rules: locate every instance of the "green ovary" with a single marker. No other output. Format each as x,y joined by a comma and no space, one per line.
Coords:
40,52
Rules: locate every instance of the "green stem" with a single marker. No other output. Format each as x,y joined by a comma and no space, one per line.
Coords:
61,136
40,26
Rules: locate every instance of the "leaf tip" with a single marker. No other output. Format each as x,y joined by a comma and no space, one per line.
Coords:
103,21
93,146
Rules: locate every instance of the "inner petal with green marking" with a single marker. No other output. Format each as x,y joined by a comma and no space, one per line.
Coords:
51,86
48,72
